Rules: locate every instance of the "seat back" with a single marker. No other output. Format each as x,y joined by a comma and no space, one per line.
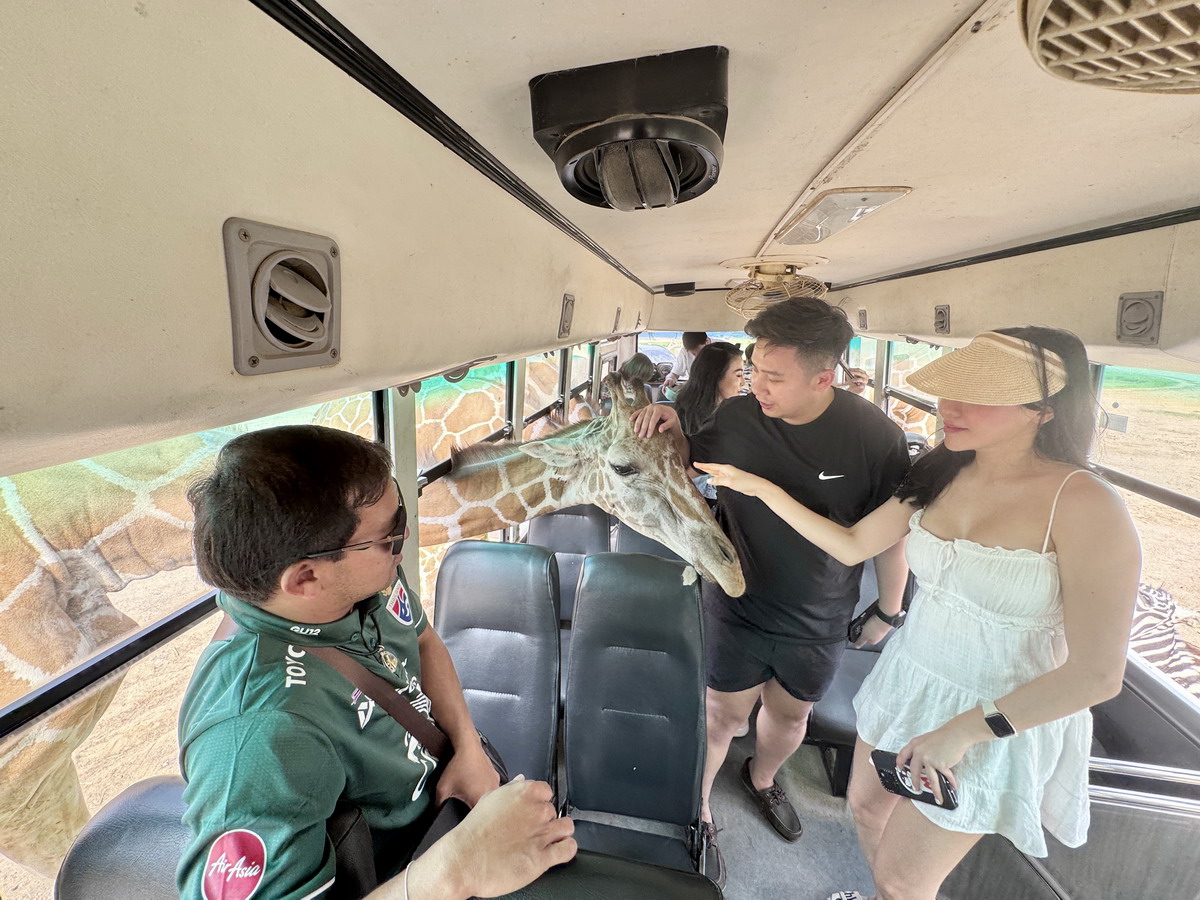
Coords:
497,611
630,541
634,720
572,533
131,848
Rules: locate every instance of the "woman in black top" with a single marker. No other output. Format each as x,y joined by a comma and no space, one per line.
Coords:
715,377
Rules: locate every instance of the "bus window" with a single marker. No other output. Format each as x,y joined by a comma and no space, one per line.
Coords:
861,354
906,359
451,414
114,532
1152,432
541,388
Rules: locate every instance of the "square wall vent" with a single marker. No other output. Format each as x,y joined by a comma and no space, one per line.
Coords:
1139,318
284,297
941,319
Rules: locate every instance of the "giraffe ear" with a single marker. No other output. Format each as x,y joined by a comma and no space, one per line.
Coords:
557,453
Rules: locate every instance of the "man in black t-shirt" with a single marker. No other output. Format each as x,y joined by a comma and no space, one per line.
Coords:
842,457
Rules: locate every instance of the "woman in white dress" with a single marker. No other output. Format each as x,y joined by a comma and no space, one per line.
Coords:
1027,567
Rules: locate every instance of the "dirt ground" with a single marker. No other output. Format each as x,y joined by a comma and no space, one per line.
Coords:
136,739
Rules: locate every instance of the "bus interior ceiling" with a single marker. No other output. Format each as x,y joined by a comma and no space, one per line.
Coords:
130,133
138,129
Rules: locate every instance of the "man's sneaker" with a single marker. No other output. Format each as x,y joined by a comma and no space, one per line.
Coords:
847,895
714,862
775,806
744,730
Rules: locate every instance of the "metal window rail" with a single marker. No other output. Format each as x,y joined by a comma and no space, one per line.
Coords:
107,664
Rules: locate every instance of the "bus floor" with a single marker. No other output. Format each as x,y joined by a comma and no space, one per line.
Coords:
763,866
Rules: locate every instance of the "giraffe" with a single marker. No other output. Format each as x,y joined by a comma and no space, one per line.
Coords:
602,461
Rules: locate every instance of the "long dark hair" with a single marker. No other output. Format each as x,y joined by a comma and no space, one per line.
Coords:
699,398
1066,437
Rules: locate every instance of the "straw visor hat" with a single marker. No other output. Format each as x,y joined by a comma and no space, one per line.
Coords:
993,370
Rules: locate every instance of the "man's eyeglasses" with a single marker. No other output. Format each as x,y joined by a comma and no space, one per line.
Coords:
396,538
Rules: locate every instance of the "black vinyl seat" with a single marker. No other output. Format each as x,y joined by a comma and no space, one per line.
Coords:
498,612
131,848
634,721
832,726
573,533
627,540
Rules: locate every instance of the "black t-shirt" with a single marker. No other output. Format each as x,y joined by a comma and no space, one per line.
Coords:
842,465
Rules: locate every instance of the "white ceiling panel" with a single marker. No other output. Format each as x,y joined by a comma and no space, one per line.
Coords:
998,153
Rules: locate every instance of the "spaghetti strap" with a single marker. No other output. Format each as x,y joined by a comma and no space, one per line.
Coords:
1054,505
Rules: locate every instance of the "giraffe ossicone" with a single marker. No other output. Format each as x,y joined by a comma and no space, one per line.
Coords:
641,481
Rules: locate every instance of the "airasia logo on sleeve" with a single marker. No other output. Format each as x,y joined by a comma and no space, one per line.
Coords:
234,868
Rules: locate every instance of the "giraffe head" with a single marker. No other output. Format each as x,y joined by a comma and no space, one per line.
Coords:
641,481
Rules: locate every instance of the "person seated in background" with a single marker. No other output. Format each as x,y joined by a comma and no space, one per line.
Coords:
692,342
641,367
301,528
715,377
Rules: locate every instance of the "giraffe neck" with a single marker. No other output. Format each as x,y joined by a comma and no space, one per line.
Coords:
495,493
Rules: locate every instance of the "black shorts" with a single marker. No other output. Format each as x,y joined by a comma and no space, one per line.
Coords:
740,656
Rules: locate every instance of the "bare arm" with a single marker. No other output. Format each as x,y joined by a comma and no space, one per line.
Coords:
1099,563
469,774
848,545
507,841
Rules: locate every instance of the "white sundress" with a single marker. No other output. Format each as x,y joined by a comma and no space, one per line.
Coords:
985,621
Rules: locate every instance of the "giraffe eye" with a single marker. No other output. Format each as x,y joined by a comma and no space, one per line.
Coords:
624,471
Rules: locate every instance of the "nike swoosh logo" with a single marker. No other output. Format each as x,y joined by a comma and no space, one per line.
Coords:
824,477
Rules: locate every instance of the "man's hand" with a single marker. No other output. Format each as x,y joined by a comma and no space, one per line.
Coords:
856,381
874,631
654,418
508,840
468,776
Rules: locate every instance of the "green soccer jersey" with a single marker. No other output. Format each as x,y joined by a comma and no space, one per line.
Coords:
271,738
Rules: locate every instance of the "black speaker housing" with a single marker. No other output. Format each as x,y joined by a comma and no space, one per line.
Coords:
638,133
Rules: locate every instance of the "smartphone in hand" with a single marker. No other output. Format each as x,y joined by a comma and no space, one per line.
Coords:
900,782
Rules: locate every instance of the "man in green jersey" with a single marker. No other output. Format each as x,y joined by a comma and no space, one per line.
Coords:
301,528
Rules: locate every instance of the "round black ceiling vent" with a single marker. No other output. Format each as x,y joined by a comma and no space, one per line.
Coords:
640,163
635,134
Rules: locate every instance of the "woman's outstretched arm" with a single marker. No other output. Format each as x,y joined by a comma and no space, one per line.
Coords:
848,545
1099,564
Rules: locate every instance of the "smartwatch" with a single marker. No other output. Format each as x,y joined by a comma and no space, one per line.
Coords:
997,721
895,621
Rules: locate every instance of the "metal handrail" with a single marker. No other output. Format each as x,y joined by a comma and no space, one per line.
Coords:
43,700
1143,770
1157,803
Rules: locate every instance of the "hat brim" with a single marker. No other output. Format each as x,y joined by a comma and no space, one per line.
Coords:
985,375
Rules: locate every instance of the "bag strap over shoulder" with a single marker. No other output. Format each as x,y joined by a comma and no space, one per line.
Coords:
384,694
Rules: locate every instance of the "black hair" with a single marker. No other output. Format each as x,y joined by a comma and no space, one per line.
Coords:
698,400
818,332
1067,437
694,340
639,366
277,495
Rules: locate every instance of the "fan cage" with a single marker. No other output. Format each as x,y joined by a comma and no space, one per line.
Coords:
758,293
1150,46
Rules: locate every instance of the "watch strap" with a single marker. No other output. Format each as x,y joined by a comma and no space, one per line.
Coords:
895,621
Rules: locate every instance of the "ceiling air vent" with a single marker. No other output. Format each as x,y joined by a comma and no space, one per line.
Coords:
284,295
1139,317
1130,45
635,134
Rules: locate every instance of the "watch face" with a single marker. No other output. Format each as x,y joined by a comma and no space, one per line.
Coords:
1000,726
